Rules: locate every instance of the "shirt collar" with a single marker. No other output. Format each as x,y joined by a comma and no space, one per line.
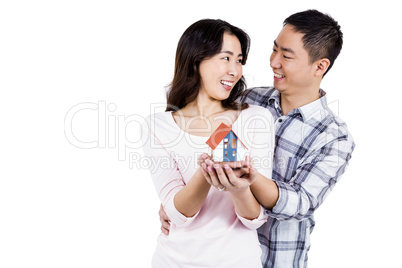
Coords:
307,111
274,97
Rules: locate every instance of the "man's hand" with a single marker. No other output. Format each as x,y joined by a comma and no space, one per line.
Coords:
163,217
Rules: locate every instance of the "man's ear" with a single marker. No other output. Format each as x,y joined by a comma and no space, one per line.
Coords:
321,66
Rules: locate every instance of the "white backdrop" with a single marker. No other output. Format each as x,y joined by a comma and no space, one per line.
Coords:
77,76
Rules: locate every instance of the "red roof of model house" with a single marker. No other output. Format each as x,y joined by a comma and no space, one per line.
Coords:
219,134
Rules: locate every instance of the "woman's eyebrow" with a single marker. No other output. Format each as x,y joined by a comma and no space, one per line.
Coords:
231,53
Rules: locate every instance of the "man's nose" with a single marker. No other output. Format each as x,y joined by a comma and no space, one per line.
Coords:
275,61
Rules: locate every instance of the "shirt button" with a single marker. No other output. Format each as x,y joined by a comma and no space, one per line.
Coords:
280,120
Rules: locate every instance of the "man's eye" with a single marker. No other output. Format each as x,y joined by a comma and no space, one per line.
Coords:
240,61
226,58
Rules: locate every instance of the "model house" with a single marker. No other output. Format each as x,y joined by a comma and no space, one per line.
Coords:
225,145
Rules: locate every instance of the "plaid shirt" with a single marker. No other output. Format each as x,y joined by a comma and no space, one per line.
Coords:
312,151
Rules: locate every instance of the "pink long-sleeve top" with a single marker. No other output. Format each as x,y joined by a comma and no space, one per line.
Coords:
216,236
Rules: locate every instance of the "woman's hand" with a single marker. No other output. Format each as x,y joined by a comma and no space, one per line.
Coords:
231,176
202,158
237,182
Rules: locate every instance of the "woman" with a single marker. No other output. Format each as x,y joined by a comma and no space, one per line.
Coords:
209,227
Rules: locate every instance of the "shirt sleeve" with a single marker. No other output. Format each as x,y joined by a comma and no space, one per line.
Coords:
313,180
255,223
262,142
261,148
167,178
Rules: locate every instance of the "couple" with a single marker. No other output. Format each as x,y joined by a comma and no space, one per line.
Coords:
258,213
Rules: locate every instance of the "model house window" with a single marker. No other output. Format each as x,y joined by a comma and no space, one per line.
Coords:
225,143
234,143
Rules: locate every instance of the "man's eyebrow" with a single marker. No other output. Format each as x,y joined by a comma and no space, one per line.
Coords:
284,48
231,53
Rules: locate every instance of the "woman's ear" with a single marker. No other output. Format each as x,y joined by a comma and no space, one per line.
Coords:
322,66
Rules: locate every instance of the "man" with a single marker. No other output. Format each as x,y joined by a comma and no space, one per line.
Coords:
313,146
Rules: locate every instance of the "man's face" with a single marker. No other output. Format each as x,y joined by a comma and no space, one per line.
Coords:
293,72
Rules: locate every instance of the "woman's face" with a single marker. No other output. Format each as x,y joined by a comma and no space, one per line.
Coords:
220,73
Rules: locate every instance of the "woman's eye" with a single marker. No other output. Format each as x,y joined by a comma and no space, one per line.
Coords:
240,61
226,58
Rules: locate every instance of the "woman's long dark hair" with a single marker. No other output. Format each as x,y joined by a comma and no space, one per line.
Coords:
202,40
